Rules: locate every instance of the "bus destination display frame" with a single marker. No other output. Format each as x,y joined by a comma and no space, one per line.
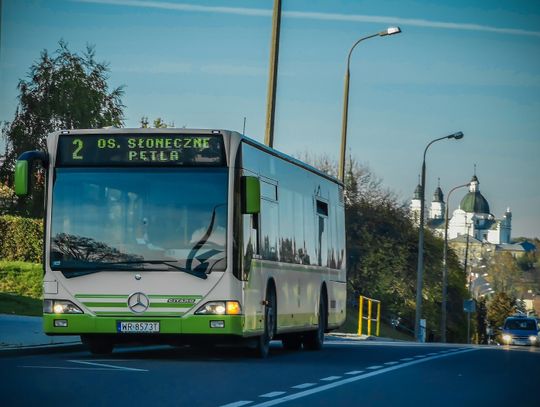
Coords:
165,149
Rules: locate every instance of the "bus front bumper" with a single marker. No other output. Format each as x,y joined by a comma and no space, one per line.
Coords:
77,324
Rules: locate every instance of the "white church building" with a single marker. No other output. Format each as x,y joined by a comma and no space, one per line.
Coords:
472,217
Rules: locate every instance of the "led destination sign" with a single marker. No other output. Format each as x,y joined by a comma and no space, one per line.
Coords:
139,149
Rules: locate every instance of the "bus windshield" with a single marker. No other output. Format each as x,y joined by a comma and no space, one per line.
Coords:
161,219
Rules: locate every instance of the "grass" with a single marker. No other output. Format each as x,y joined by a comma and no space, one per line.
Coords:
20,288
386,330
19,305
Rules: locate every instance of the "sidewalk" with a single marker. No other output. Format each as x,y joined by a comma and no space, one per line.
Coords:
22,332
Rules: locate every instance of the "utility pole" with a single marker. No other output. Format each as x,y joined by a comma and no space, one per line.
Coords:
272,79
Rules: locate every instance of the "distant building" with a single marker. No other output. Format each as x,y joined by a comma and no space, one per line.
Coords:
472,218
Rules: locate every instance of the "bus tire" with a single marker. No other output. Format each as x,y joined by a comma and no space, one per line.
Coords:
98,346
292,342
314,340
270,312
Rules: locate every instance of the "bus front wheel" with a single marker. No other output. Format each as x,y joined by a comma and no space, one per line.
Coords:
270,312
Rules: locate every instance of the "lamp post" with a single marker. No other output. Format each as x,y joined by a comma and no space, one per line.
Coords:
420,267
388,31
445,265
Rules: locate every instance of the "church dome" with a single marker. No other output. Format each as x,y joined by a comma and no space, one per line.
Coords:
438,195
418,192
474,202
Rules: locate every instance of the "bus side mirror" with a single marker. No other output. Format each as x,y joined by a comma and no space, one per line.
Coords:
22,172
251,195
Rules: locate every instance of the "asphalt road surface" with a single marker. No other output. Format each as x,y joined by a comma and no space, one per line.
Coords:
344,373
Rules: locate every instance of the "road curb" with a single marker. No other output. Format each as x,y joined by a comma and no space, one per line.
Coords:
41,349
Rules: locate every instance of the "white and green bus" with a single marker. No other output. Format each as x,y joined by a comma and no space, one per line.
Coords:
187,236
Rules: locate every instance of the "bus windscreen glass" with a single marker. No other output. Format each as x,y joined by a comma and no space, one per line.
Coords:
140,150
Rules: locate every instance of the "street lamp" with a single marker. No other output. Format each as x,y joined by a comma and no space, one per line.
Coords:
420,268
388,31
445,265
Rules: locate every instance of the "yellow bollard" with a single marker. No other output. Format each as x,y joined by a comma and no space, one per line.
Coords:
360,316
369,317
378,318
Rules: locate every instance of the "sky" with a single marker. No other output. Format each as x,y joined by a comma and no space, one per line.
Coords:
458,65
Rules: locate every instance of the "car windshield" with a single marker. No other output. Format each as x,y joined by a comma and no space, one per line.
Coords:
139,218
520,324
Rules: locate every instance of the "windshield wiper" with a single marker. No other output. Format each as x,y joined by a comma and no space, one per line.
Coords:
90,268
195,272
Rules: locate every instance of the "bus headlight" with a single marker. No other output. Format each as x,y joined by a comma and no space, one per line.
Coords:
220,308
533,338
60,307
507,338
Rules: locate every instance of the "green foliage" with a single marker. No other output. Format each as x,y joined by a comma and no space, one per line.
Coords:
159,123
500,307
504,273
21,278
21,239
382,253
63,91
20,305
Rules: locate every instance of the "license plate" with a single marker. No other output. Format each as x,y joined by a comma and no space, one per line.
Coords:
137,327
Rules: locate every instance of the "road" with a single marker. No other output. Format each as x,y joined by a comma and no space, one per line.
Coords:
346,372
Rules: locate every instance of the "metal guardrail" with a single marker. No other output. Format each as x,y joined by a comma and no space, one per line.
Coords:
368,318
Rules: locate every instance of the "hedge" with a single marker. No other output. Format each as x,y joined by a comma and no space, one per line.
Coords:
21,239
21,278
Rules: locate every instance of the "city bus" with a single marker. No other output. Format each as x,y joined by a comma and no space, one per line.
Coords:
184,236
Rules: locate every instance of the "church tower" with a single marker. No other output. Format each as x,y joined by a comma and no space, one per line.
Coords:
416,205
437,204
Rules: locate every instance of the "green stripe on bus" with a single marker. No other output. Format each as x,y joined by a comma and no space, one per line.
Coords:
99,296
176,296
170,305
142,315
105,304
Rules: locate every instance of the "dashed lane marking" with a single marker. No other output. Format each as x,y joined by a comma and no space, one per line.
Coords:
237,403
353,379
303,386
374,367
272,394
391,363
354,372
406,359
331,378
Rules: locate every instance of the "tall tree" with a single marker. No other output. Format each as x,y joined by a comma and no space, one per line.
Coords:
382,246
63,91
500,307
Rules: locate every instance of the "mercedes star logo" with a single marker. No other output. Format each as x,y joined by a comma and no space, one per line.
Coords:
138,302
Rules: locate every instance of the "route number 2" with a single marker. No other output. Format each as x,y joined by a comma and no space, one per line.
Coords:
78,143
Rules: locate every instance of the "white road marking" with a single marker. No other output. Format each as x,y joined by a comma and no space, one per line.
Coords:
67,368
331,378
237,403
272,394
354,379
391,363
373,367
355,372
303,386
431,354
420,356
406,359
83,362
